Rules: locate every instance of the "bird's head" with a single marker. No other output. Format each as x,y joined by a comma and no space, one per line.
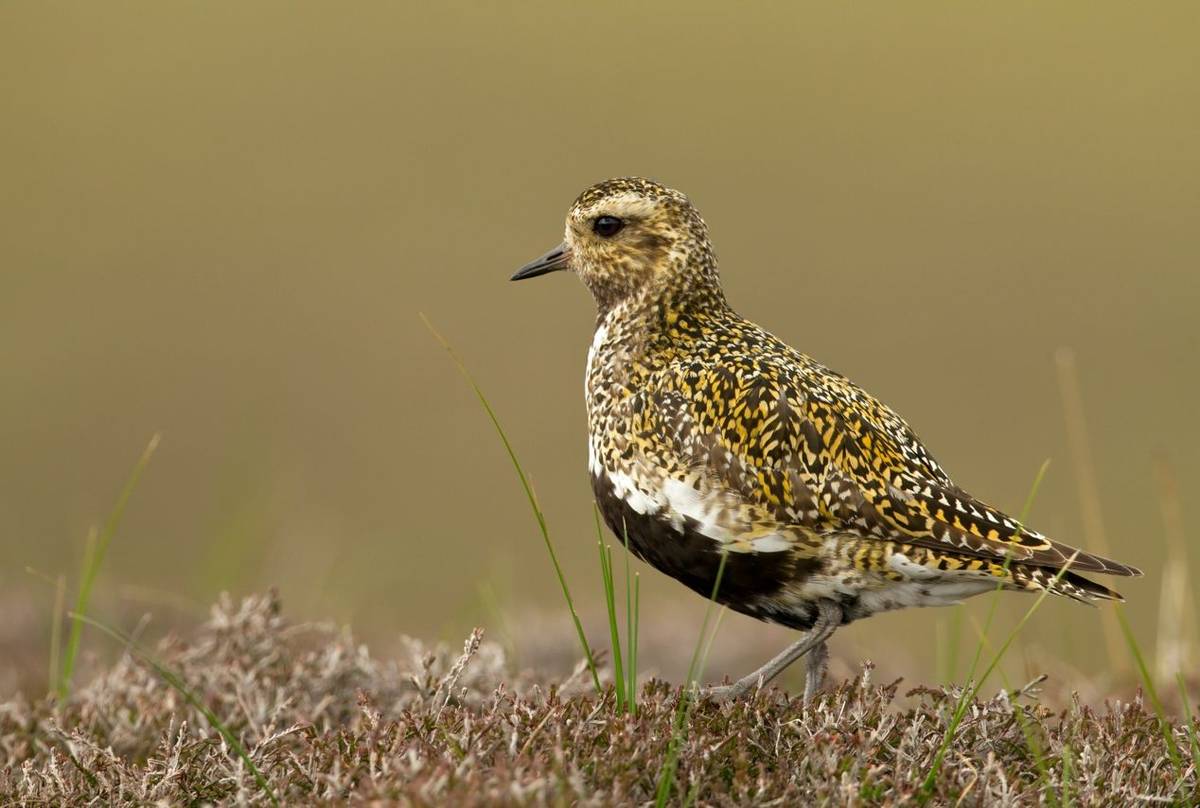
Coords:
632,237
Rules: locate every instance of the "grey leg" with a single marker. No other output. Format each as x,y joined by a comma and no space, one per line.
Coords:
829,617
816,663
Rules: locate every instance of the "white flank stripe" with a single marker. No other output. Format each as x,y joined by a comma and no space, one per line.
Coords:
625,488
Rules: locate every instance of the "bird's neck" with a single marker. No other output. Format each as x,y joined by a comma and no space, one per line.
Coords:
658,319
697,290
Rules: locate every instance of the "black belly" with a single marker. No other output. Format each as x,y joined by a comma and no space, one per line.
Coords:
749,582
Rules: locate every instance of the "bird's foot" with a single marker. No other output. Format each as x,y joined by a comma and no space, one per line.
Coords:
719,693
733,692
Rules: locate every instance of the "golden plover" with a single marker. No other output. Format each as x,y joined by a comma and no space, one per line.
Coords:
711,439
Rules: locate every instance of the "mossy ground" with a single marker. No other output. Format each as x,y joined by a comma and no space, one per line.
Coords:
328,723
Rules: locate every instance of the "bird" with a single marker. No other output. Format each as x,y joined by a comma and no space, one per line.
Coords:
755,475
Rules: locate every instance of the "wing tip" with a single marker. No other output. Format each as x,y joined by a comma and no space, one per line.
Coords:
1077,560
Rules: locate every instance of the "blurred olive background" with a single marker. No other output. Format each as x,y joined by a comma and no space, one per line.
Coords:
221,220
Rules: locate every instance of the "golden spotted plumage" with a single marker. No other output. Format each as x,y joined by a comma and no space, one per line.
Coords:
708,436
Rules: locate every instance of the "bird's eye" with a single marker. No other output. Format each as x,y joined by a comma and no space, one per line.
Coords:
607,226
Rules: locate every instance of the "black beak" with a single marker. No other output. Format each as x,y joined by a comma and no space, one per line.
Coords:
552,261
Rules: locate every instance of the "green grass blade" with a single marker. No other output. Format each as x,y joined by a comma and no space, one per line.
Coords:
633,643
970,693
708,644
58,613
93,559
1068,773
1031,741
606,572
698,651
537,511
955,643
666,776
631,618
631,672
175,681
995,599
1164,725
60,606
1027,507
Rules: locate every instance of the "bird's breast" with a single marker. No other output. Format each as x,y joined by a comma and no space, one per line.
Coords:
677,546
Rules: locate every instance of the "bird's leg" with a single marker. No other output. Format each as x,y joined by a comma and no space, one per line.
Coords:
816,663
829,617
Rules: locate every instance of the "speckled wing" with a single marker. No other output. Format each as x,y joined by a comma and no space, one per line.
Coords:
903,488
805,446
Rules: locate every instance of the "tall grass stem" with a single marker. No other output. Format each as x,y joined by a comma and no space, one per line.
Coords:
93,558
1088,489
533,503
970,693
666,775
1151,691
